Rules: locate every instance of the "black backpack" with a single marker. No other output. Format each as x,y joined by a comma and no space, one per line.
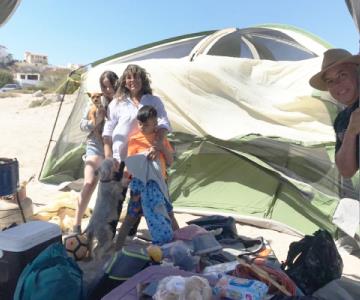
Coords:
313,261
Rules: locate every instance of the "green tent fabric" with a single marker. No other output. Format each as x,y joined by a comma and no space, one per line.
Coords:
247,178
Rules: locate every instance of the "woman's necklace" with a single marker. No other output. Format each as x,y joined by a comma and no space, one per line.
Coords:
136,100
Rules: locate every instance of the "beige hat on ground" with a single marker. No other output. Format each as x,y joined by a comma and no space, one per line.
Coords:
332,57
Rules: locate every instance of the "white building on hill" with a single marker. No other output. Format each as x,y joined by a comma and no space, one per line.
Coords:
33,58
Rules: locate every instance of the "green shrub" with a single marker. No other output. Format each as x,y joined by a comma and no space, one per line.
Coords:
5,77
70,84
30,89
50,80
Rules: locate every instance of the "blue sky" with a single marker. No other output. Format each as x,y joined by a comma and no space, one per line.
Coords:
82,31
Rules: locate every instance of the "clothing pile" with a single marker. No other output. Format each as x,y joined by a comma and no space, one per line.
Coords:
209,260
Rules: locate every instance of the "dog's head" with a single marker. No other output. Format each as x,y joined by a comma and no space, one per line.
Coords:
106,170
95,98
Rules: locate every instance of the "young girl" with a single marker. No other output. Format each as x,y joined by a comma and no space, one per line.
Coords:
149,194
94,146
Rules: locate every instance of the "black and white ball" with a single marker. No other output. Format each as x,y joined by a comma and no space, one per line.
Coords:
77,246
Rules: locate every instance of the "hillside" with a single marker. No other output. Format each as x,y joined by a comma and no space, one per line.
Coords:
51,77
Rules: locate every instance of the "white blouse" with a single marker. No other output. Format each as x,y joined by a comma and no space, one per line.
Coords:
121,122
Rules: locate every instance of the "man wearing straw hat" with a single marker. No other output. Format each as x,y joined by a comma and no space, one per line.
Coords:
339,76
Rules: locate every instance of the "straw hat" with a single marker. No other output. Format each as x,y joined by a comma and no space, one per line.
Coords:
332,57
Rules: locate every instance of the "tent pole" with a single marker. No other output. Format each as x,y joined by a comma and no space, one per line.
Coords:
54,126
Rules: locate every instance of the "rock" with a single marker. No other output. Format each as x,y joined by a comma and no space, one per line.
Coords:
59,97
38,93
46,101
36,103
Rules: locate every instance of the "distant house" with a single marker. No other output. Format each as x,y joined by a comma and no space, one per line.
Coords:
32,58
27,79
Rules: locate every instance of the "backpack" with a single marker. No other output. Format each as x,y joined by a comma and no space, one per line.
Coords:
313,261
120,267
51,275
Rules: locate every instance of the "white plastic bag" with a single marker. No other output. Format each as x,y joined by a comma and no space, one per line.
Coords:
183,288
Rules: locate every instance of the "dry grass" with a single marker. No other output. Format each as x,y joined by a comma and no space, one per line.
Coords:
8,95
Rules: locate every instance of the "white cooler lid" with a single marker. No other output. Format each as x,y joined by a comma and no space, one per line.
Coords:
25,236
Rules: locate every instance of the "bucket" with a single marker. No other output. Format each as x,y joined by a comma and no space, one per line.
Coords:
9,176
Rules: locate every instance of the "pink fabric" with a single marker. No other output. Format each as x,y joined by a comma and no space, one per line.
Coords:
187,233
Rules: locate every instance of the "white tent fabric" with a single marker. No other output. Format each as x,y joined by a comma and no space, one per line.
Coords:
232,97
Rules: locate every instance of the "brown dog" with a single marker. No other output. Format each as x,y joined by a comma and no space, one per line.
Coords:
102,225
94,110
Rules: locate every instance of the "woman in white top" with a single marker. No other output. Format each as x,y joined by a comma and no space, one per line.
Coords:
133,92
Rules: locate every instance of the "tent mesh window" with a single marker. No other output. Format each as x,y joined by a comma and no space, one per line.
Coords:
260,43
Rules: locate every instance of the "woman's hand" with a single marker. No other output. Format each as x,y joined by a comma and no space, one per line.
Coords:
126,178
158,146
153,153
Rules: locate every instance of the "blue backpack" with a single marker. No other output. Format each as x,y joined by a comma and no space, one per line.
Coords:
51,275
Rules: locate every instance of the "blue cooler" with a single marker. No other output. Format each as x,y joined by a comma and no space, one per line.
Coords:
19,245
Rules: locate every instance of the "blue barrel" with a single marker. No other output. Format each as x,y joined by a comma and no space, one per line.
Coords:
9,176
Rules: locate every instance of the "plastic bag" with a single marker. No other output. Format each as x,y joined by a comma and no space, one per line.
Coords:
313,261
183,288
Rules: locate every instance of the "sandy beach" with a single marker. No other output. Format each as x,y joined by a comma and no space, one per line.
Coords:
25,132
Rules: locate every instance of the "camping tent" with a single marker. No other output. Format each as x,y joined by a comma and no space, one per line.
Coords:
252,137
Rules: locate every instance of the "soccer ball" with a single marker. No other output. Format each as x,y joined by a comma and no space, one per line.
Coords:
77,246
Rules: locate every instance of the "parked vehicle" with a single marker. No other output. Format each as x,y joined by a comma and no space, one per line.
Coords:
10,87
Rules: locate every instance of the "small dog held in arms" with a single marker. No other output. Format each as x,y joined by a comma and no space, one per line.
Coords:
95,109
102,225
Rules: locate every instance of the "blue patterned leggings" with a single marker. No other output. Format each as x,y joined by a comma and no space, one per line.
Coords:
155,208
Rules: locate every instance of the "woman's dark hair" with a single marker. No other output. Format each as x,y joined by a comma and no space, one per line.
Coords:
136,71
111,76
146,112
